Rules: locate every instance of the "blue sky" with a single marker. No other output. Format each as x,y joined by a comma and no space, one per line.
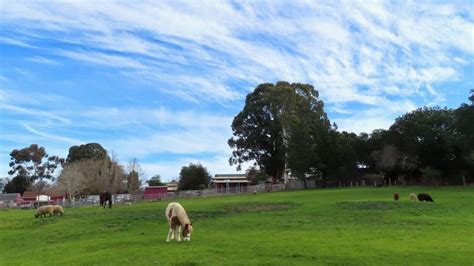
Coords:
161,81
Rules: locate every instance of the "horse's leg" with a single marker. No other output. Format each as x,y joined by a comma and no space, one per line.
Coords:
170,235
178,233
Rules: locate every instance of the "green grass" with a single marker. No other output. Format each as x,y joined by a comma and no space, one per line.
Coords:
333,226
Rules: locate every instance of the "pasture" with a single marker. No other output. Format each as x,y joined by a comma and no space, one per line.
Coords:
326,226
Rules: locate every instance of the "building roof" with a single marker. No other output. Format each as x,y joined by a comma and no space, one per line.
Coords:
230,175
230,178
154,189
29,194
230,181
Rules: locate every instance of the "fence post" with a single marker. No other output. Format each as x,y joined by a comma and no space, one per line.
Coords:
363,182
389,181
357,183
351,183
464,180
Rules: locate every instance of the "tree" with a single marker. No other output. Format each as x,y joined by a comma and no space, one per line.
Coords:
429,135
102,172
101,175
133,176
72,181
394,163
29,165
91,151
155,181
263,130
193,177
3,182
255,175
464,117
18,184
339,157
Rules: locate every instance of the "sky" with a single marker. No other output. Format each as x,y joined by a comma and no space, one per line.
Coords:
161,81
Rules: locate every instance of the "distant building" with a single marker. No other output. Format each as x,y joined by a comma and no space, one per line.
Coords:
58,199
27,200
155,192
230,183
172,186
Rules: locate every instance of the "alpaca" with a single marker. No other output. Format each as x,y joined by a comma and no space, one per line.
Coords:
424,197
43,210
58,209
396,196
177,220
412,196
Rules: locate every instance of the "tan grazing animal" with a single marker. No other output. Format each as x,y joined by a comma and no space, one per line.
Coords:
58,209
43,210
413,197
396,196
178,220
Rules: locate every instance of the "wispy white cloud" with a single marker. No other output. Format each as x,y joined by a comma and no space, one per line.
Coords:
380,117
16,42
103,59
42,60
33,112
305,41
51,137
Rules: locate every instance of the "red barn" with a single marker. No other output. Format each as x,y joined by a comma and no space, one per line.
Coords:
28,199
155,192
57,199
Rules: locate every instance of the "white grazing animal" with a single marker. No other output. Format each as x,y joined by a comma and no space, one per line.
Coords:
178,220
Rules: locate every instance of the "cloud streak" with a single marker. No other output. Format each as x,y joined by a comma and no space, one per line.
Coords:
262,41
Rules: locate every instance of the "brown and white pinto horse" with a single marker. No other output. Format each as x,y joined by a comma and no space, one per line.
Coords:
178,220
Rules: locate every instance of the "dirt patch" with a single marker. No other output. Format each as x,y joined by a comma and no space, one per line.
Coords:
385,205
258,207
243,207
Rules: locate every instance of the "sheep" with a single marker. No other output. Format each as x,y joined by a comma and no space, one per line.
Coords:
396,196
42,211
58,209
177,220
424,197
412,196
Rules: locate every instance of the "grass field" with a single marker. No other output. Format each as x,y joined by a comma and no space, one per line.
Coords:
333,226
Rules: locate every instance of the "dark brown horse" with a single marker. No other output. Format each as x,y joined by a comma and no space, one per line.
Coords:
105,196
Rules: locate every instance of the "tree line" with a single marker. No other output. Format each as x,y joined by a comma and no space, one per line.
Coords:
284,130
87,170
